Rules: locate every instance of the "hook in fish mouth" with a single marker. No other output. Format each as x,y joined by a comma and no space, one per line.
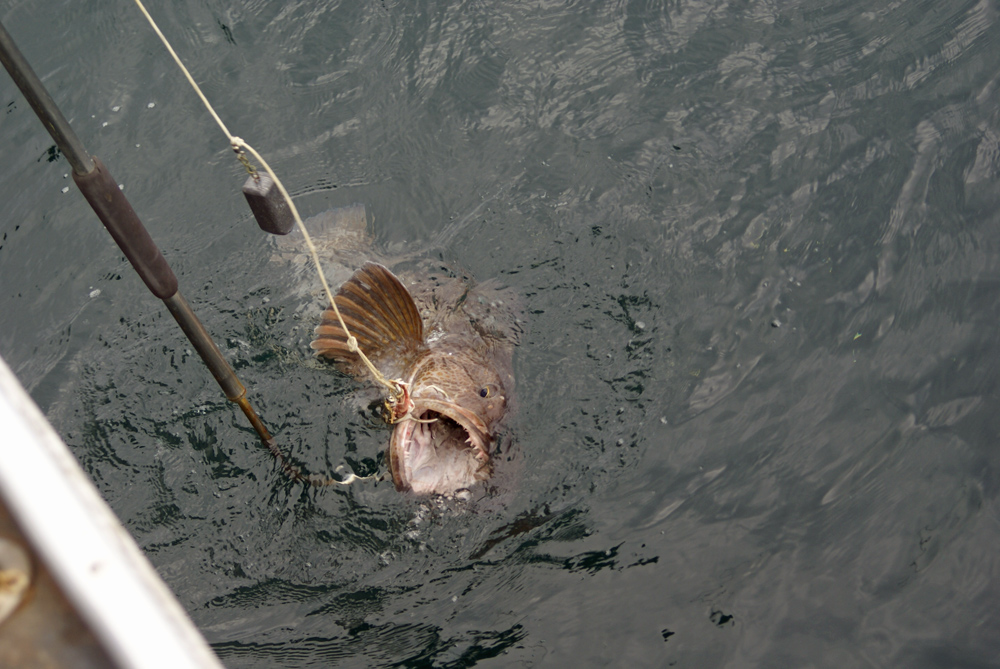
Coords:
451,393
440,448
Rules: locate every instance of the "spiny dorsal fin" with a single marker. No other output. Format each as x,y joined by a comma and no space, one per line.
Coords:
379,312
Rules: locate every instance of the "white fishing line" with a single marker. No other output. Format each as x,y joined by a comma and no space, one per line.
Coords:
238,146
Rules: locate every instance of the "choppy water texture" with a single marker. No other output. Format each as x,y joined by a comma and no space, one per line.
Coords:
758,243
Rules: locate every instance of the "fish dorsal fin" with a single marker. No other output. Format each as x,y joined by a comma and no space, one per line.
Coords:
378,311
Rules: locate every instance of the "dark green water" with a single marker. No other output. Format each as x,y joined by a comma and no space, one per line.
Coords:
759,245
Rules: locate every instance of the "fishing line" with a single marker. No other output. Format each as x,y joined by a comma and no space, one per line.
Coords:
396,388
398,397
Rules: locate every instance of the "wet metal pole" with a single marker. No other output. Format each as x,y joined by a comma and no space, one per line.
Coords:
111,206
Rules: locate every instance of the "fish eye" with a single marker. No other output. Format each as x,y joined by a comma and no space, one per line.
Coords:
484,392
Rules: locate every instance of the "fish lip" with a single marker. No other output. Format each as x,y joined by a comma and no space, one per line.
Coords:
473,425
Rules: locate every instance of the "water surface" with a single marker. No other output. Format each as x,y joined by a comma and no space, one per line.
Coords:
758,244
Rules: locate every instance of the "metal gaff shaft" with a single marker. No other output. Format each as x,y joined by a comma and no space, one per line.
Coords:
116,213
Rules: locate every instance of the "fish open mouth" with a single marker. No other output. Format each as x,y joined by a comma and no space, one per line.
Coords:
440,448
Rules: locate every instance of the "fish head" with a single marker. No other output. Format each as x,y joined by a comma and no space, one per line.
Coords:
458,379
458,396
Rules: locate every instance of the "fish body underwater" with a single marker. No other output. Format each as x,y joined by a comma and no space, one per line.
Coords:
447,338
